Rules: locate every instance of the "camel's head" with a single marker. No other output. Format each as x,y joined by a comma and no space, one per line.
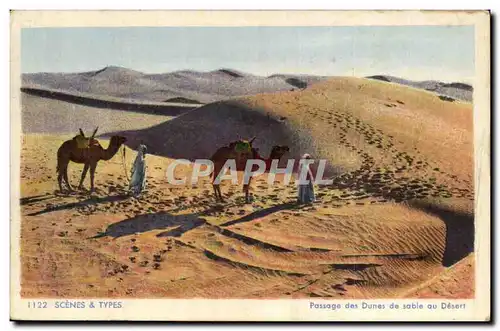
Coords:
118,140
278,151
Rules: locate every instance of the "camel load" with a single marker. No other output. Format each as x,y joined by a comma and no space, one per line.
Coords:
84,142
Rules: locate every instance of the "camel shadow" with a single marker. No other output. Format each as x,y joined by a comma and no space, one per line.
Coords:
33,199
149,222
262,213
89,201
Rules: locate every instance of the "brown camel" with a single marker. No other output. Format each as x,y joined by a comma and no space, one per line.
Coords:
71,150
229,152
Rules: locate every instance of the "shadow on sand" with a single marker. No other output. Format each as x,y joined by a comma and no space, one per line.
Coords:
168,110
87,202
177,225
34,199
262,213
149,222
197,134
460,231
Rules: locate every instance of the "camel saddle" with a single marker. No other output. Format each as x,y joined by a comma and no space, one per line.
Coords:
242,150
84,142
242,147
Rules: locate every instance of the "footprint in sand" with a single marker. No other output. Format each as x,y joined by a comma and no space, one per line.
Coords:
157,258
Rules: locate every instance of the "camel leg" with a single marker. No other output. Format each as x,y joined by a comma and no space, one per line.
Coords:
215,188
60,179
84,174
217,191
62,168
65,174
220,194
93,167
246,188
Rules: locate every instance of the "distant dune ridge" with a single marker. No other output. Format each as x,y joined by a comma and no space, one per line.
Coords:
456,90
199,87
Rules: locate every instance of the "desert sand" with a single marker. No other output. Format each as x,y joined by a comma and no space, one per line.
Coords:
397,222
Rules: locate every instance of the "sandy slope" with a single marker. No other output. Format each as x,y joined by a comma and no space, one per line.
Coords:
455,283
394,223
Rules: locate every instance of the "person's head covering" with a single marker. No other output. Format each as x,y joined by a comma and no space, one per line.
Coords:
142,149
306,164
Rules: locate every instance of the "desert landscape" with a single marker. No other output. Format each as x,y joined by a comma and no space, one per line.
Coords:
397,222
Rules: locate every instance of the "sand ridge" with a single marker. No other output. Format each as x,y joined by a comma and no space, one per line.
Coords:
202,87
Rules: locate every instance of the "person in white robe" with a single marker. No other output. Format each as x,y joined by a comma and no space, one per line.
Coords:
306,187
138,179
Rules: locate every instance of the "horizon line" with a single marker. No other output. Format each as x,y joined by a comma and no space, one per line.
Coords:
242,72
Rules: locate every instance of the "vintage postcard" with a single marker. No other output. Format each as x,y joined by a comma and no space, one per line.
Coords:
250,165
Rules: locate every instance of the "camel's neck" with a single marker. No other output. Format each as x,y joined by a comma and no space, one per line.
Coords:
269,160
272,156
110,151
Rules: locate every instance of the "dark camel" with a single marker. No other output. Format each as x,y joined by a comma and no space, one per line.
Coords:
228,152
90,156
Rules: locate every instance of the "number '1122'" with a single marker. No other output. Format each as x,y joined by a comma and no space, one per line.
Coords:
37,304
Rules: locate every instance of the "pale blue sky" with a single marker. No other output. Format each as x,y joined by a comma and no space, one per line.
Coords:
413,52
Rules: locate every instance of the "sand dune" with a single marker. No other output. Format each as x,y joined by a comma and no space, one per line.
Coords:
397,220
455,90
332,120
128,84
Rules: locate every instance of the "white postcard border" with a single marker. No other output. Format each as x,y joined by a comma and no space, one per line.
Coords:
264,310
